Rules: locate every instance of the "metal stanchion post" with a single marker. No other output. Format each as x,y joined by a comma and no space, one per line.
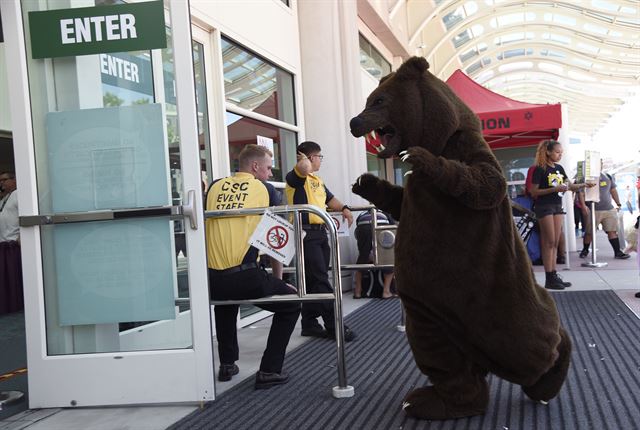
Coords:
403,320
300,270
342,390
567,257
593,262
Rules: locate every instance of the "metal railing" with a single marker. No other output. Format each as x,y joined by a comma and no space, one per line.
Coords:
342,390
375,228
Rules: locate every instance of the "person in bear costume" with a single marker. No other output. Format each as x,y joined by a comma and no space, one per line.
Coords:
471,301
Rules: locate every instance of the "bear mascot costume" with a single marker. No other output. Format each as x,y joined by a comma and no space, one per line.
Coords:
471,301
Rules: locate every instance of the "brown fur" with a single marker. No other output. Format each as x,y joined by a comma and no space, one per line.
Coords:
463,274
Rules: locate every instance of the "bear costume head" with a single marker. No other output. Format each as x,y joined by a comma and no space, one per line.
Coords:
397,127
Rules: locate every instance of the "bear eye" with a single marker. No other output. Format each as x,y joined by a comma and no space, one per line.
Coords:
378,101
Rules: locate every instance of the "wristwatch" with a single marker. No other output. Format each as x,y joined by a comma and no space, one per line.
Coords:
345,207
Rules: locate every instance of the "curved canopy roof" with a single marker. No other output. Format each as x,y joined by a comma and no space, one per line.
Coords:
585,53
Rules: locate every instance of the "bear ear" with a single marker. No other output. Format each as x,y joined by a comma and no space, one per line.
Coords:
413,68
384,78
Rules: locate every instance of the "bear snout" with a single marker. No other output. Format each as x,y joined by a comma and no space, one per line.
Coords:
356,124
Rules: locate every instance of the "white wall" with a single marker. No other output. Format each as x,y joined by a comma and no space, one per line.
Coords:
332,91
5,112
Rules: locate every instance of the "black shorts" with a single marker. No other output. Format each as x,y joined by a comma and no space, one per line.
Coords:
548,209
365,246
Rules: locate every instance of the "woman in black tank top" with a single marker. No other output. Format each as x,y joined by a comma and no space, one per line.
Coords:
548,186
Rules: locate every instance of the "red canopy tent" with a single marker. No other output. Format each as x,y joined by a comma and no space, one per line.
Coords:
507,123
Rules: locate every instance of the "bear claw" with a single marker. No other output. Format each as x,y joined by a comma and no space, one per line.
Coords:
408,172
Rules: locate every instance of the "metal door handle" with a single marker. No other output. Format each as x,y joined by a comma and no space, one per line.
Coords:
174,212
189,209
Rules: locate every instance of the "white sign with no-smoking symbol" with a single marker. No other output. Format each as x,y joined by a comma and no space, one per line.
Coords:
274,236
341,224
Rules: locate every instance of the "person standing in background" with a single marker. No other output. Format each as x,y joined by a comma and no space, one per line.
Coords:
628,195
305,187
607,216
11,290
548,185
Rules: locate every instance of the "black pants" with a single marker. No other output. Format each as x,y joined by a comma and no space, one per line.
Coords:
252,284
11,290
316,263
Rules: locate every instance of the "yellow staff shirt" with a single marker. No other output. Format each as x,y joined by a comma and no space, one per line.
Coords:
228,238
308,189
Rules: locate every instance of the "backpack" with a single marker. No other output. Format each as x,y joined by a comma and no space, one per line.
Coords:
529,181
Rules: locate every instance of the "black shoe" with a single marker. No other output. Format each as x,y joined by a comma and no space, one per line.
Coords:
266,380
560,259
621,256
584,253
226,371
638,295
553,284
537,262
559,279
316,331
349,335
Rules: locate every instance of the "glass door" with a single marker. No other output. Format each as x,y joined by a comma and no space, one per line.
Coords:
111,181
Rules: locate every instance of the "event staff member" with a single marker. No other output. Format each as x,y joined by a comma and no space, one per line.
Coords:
304,187
234,273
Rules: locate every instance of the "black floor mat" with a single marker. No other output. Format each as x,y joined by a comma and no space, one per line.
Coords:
602,390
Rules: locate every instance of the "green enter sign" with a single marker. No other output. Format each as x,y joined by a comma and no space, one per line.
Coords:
97,30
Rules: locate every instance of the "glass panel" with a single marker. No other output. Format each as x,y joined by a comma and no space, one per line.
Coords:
372,61
452,18
399,169
252,83
376,166
203,143
461,38
242,131
105,134
515,162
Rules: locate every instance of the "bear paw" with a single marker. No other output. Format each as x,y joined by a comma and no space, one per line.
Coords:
366,186
425,403
420,158
549,384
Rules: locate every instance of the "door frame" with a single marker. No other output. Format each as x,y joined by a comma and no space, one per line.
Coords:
138,377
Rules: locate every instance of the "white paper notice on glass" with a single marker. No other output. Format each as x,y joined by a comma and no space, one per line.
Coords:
274,236
342,226
267,142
